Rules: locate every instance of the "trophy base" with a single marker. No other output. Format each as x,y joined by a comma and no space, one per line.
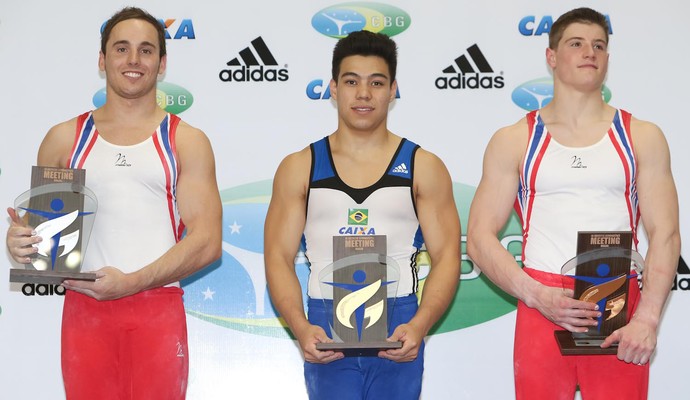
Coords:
571,346
382,345
48,277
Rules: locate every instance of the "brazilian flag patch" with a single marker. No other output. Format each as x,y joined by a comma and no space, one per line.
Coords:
358,216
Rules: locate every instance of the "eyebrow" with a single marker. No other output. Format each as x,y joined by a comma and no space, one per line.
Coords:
126,42
581,38
374,75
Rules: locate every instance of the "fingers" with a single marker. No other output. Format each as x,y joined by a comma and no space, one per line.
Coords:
611,339
21,239
14,216
315,356
21,244
636,343
315,334
408,352
404,333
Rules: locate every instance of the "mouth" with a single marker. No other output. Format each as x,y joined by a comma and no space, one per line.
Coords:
363,108
131,74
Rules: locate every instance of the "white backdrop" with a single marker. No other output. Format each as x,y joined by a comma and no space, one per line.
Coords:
48,73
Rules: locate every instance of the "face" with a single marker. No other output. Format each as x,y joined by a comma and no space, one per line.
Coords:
132,63
581,58
363,92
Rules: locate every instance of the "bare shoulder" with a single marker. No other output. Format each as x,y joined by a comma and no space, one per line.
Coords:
507,145
644,130
295,166
291,181
57,144
511,136
430,174
648,139
190,135
426,159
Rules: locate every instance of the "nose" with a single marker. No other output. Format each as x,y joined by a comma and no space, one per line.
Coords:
589,51
133,58
363,92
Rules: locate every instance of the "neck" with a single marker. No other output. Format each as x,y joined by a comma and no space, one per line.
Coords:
123,109
575,106
353,138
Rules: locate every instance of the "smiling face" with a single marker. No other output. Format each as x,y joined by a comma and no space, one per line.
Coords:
363,93
132,61
581,57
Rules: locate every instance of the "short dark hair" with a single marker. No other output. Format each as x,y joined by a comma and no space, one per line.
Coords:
133,13
582,15
365,43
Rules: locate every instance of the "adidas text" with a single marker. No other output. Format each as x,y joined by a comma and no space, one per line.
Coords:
470,81
256,74
682,284
42,289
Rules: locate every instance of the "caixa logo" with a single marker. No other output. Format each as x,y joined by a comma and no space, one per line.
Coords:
533,26
184,29
42,289
232,293
170,97
318,89
537,93
339,20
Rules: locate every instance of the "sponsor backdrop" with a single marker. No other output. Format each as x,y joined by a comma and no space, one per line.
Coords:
254,76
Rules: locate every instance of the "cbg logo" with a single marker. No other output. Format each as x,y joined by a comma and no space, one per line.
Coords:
185,29
315,90
233,292
339,20
537,93
528,26
170,97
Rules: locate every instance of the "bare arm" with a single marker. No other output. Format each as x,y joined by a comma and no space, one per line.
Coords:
283,229
490,210
199,206
658,202
438,218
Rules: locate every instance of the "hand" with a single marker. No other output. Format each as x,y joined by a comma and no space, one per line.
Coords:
558,306
411,337
308,338
21,239
110,284
636,341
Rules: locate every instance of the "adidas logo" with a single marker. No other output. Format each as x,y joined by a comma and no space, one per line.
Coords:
401,169
473,72
253,69
682,284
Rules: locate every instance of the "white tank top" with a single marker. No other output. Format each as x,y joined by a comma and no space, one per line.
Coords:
564,190
386,208
137,218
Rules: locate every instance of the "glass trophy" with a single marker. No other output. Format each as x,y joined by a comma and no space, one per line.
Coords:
601,274
62,214
360,288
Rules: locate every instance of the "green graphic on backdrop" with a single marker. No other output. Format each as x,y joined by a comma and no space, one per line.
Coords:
232,293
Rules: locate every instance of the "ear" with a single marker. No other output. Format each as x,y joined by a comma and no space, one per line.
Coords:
163,65
551,57
333,86
101,61
394,91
